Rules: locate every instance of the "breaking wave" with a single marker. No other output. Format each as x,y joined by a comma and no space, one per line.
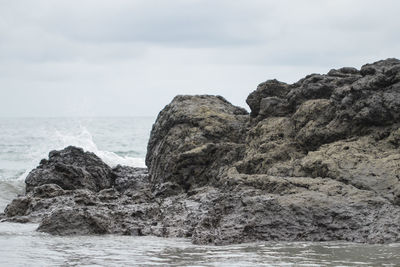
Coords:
84,140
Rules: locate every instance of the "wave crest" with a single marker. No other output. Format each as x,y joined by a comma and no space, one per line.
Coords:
84,139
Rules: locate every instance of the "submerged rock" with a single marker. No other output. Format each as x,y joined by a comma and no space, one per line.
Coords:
317,160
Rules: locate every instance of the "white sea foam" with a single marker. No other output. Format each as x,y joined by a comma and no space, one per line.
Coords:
82,138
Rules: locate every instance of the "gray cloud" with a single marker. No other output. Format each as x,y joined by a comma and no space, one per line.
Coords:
126,57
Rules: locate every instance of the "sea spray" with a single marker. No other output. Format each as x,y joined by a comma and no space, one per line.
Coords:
84,139
59,139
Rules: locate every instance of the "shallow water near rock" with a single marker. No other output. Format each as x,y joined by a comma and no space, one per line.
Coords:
21,245
23,142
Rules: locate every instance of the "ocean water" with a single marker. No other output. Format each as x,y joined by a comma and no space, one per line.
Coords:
25,141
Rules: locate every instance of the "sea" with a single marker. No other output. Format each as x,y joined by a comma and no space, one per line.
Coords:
123,140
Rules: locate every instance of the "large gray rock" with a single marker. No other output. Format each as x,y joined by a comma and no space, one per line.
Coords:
71,168
193,138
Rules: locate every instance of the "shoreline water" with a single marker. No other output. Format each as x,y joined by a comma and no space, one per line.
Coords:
116,250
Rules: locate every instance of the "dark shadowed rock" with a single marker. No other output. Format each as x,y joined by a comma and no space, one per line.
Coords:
272,89
71,168
133,182
130,178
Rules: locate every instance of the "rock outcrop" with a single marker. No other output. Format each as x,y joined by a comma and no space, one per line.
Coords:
317,160
71,169
194,137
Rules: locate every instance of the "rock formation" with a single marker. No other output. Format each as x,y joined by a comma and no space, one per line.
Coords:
317,160
71,169
193,137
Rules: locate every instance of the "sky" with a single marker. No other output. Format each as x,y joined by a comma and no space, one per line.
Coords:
131,57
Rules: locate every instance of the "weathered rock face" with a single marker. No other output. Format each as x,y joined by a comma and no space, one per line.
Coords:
194,137
317,160
275,208
339,126
71,168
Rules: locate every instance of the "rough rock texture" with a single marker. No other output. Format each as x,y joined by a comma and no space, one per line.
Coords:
71,169
317,160
202,131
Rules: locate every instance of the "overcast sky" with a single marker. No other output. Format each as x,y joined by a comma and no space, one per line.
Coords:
130,58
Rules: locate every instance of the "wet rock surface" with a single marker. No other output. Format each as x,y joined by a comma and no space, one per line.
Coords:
71,168
317,160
